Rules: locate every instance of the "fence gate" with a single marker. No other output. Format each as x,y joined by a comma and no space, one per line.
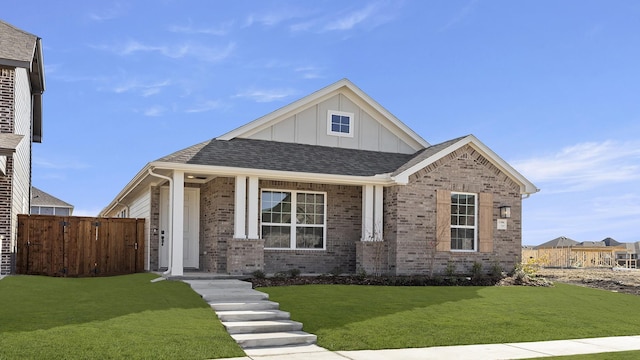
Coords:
79,246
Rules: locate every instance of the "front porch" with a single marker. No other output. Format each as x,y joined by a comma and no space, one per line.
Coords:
230,223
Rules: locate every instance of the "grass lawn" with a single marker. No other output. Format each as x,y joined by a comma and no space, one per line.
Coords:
122,317
376,317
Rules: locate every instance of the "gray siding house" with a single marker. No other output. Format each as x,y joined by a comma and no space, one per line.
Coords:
331,182
43,203
21,88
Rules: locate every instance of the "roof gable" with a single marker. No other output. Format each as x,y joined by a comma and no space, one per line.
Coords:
305,122
436,152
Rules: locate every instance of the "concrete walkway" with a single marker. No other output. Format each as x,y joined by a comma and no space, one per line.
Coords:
476,352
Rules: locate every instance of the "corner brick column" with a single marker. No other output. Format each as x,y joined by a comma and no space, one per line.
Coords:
245,256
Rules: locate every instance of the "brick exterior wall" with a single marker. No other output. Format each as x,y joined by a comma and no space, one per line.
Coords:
7,116
244,256
410,216
216,223
344,224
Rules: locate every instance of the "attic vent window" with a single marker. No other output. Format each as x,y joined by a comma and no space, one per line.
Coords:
340,123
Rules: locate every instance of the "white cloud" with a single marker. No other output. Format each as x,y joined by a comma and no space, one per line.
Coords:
266,95
275,17
350,20
154,111
108,14
584,166
193,50
370,16
220,30
309,72
144,89
205,106
58,165
460,16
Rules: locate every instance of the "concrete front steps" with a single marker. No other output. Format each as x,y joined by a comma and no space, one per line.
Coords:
250,318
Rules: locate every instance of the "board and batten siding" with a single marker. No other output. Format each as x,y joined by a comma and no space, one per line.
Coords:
140,208
309,126
21,187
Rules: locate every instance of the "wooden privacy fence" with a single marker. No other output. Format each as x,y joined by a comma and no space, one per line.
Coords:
79,246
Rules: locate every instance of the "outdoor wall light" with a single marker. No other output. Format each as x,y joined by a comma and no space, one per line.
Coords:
505,212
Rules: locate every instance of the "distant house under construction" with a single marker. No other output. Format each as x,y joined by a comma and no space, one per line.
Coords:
564,252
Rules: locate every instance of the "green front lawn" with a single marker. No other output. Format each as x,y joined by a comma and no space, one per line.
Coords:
377,317
122,317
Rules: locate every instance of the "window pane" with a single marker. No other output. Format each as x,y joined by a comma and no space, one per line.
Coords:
276,207
309,238
276,236
45,210
462,239
61,211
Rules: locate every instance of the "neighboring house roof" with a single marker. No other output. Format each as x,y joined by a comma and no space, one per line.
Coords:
591,244
41,198
21,49
611,242
561,241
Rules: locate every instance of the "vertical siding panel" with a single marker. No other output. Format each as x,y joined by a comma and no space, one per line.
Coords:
443,220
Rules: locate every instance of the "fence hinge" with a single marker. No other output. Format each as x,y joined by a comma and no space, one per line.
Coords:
135,246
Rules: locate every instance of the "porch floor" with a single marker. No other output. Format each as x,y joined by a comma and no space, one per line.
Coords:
199,275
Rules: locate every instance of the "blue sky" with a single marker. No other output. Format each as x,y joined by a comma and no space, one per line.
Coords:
553,87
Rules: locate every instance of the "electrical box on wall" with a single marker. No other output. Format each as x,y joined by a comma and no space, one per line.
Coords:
502,224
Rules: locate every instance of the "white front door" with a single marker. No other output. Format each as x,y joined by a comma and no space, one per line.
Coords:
191,234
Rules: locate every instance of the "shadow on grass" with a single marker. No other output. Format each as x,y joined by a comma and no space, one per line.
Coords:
40,303
337,306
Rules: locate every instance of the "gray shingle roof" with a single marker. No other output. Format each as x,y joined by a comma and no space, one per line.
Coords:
15,44
41,198
561,241
425,154
281,156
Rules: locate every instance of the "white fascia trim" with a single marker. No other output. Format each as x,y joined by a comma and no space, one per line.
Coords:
526,187
380,179
132,185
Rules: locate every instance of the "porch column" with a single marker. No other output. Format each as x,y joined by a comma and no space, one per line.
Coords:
177,232
367,213
378,226
240,218
253,208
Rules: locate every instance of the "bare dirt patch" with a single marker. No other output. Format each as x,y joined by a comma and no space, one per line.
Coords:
616,279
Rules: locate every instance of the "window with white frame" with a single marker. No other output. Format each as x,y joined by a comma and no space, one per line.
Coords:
340,123
293,219
464,214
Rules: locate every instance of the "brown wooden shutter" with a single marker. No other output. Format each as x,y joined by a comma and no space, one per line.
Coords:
443,220
485,223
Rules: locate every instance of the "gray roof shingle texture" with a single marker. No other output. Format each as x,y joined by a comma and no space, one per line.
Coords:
281,156
41,198
16,44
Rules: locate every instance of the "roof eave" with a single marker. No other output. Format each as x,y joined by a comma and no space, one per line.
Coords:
379,179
